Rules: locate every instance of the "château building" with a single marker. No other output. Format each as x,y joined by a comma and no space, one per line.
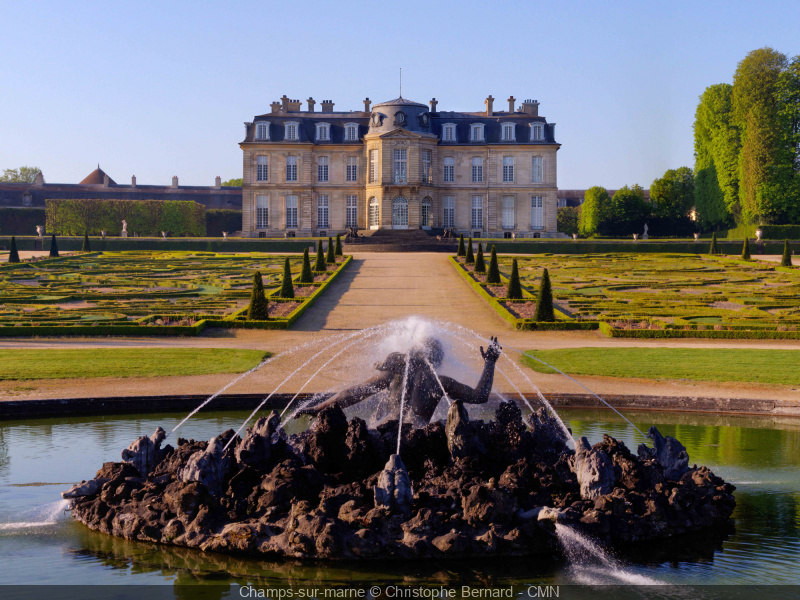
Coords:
399,165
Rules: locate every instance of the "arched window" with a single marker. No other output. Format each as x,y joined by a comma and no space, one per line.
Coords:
262,130
449,132
374,213
426,216
400,213
351,132
323,132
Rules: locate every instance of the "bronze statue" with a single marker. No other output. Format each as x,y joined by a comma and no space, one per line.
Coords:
423,391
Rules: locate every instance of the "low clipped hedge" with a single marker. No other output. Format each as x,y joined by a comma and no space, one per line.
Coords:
550,246
768,232
729,334
75,243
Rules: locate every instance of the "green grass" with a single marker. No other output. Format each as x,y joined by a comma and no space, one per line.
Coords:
695,364
20,365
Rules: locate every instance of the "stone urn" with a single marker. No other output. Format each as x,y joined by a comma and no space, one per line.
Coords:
635,237
759,233
696,237
40,230
164,234
225,235
574,237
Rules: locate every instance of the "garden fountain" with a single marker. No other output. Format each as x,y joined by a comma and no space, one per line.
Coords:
356,486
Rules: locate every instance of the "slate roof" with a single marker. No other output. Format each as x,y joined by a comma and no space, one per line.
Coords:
400,102
97,177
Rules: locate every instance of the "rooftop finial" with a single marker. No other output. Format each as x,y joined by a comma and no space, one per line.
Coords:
401,82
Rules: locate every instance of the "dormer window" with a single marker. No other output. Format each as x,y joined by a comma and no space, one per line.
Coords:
351,132
508,132
262,130
290,131
476,132
323,132
537,132
449,132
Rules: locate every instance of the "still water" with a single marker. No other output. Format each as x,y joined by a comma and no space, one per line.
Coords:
39,543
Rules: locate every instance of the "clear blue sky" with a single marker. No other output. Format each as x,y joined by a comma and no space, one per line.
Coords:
158,89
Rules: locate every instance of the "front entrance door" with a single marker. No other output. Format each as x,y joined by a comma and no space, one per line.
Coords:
400,213
427,215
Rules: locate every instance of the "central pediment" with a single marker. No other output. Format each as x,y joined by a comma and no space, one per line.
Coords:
401,133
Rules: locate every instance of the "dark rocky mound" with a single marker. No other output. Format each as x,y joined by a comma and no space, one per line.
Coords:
461,489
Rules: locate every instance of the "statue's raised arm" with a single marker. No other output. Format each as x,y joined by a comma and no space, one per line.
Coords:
480,393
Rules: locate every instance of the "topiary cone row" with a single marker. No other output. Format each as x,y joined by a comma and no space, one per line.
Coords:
258,309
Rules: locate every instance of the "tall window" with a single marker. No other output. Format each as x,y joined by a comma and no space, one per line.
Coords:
449,133
477,169
537,212
427,176
322,212
352,168
322,168
537,131
351,132
262,168
426,219
476,132
477,212
537,170
351,216
262,131
400,165
508,212
508,169
291,212
373,165
323,132
449,214
291,168
290,131
374,214
262,212
449,169
508,132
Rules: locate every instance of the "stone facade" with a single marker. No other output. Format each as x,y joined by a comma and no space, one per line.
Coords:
399,165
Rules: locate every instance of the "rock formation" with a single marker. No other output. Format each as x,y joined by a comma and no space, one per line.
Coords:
145,453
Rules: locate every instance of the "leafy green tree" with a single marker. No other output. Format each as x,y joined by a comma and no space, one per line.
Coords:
461,251
672,195
544,302
626,214
13,254
493,275
306,276
233,182
330,258
287,288
470,258
21,175
567,219
712,249
480,264
86,247
593,210
258,309
338,251
786,259
785,187
514,289
746,249
319,265
53,247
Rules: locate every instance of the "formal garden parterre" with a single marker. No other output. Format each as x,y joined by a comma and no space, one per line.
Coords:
150,292
651,295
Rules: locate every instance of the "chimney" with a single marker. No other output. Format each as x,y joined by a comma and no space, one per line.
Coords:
327,106
133,180
434,102
489,106
276,107
39,179
174,181
293,105
218,182
531,107
511,101
367,104
106,180
311,103
247,125
284,103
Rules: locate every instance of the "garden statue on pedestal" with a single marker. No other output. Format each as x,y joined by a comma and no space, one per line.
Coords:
644,235
124,232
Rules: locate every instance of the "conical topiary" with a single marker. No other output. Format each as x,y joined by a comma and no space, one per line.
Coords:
258,309
480,264
493,275
786,260
306,276
461,251
330,258
13,255
338,251
544,303
514,290
319,265
86,247
713,248
470,256
746,249
287,289
53,247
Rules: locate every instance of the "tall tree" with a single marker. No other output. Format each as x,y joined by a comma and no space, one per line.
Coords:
233,182
21,175
787,171
672,195
593,209
626,213
567,219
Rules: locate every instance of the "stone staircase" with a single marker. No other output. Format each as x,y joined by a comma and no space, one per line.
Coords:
401,240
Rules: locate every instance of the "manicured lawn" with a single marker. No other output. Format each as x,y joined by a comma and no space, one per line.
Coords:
697,364
124,362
